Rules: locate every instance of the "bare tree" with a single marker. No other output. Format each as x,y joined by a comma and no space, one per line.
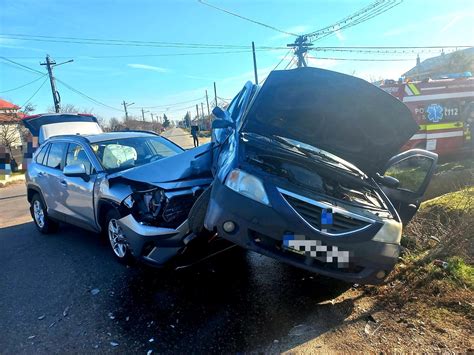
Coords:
10,134
29,108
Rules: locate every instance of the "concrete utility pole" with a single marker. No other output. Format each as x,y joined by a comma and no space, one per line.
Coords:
207,101
215,92
143,114
254,63
125,105
50,63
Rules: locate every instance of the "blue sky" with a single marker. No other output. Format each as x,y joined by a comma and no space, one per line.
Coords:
153,81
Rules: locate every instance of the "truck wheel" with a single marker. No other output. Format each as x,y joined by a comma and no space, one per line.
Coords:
38,211
116,237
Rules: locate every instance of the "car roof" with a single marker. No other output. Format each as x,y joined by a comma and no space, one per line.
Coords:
94,138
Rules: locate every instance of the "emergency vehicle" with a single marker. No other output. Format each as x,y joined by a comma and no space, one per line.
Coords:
443,109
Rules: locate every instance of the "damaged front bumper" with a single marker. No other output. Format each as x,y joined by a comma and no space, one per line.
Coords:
154,245
263,229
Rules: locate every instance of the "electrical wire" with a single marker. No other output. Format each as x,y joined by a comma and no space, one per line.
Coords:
248,19
22,66
169,105
365,59
87,96
34,94
22,86
276,66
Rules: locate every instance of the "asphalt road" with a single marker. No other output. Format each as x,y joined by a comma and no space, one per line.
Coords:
232,303
182,137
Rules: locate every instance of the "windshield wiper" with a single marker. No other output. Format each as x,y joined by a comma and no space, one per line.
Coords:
317,153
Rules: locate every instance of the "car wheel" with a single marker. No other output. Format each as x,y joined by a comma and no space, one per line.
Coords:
116,237
197,214
38,211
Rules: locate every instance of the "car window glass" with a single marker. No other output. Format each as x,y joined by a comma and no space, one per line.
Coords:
76,155
118,156
41,154
55,155
160,149
411,172
238,107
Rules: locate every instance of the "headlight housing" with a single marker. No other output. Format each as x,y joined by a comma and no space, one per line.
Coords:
247,185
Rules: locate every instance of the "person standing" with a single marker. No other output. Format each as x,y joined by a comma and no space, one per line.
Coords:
194,133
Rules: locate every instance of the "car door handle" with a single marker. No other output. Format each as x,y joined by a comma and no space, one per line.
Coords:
41,173
63,182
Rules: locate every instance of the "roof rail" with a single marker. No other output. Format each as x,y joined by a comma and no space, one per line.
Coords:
137,131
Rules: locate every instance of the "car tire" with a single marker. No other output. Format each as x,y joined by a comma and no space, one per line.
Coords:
197,214
40,216
116,237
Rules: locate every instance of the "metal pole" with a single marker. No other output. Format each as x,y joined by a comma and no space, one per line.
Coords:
254,63
207,101
215,92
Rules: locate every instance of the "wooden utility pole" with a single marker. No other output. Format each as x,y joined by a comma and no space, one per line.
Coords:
207,101
254,63
125,105
143,114
151,113
50,63
197,110
215,92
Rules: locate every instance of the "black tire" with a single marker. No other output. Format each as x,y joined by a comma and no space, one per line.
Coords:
112,230
40,216
198,212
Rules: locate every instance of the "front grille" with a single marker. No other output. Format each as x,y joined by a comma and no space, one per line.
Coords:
311,213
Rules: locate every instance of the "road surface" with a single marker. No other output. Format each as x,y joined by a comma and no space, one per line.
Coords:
233,303
182,137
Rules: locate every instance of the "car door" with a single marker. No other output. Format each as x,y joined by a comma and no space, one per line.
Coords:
414,170
79,201
53,188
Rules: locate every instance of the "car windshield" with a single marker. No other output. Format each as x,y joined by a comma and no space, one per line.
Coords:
120,154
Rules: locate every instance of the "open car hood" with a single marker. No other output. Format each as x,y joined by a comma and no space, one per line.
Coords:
53,124
193,163
338,113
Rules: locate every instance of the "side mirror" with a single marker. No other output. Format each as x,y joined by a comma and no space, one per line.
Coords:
218,112
219,123
76,170
388,181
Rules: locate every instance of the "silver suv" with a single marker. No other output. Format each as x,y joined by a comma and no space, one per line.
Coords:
111,183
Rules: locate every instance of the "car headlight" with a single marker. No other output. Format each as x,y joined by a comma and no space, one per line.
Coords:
247,185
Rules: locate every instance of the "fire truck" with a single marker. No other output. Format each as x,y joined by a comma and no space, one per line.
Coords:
443,108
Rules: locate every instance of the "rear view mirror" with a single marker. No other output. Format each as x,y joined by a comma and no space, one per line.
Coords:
218,112
76,170
219,123
388,181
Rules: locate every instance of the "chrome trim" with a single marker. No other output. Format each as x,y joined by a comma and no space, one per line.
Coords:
142,229
335,209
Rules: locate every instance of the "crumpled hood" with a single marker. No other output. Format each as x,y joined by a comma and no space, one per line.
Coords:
341,114
189,164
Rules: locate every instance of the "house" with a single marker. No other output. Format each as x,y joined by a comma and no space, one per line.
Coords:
458,62
11,138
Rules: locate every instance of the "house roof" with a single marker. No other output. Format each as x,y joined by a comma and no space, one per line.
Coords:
6,104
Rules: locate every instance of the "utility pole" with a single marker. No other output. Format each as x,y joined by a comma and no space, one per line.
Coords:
197,111
215,92
254,63
143,114
207,101
125,105
301,46
151,113
50,63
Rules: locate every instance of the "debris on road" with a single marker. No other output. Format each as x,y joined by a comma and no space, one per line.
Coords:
95,291
111,316
149,352
151,340
41,317
31,337
66,311
114,344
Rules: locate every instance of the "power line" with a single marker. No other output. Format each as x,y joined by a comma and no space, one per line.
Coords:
34,94
22,86
276,66
22,66
87,96
122,42
174,104
248,19
365,59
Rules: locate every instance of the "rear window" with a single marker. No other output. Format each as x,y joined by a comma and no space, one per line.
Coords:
55,155
41,154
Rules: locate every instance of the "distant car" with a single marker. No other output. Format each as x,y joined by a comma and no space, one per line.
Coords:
307,172
109,182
